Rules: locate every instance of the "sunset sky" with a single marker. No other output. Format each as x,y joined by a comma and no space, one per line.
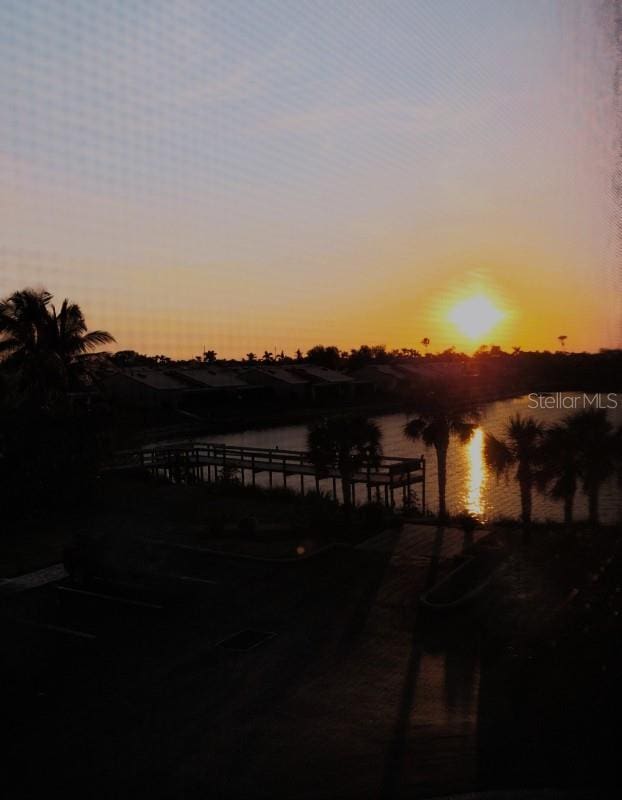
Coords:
252,175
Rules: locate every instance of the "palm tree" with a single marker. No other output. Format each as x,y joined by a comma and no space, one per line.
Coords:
69,335
346,444
21,319
600,454
562,340
209,356
439,419
561,464
44,345
425,342
251,358
267,357
521,449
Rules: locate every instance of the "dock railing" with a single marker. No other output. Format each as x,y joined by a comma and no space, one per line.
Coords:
213,461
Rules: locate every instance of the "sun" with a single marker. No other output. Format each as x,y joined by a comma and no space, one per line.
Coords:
475,316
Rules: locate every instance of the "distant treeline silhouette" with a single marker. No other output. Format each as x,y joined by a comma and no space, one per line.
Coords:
489,373
332,357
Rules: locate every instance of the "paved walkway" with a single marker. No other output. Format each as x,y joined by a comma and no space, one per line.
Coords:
420,543
352,699
384,714
32,580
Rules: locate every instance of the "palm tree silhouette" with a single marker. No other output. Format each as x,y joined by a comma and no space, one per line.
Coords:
521,449
267,357
562,340
42,344
561,464
438,420
251,358
425,342
346,444
600,454
23,318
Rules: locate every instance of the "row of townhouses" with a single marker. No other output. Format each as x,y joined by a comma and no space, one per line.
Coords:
195,386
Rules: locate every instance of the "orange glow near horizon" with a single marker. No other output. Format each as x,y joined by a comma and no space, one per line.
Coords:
180,317
485,315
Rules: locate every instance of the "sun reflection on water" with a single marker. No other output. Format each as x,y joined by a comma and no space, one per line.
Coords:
477,474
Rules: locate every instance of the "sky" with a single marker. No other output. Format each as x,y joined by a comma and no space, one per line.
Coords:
274,174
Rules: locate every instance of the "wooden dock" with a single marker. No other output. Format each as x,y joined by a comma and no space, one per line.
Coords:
212,462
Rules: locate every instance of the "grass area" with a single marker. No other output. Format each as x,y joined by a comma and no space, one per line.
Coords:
33,544
533,590
277,523
551,628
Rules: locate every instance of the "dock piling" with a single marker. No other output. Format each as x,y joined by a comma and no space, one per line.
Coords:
212,462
